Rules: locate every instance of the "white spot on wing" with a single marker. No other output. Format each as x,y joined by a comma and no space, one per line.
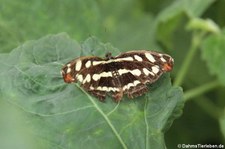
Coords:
138,58
106,89
88,64
106,74
147,72
110,89
123,71
99,88
113,60
113,89
129,85
136,82
78,65
98,62
124,59
79,78
155,69
87,78
162,59
68,70
96,77
150,57
92,88
136,72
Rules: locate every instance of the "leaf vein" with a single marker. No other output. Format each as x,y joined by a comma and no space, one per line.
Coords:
106,119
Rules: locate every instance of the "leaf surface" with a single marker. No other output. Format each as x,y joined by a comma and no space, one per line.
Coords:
213,53
174,17
64,116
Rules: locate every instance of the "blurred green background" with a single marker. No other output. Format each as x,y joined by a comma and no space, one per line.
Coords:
178,27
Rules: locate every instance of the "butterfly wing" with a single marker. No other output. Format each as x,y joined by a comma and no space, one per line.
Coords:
145,67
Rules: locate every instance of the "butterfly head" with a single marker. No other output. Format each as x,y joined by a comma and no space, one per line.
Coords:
108,56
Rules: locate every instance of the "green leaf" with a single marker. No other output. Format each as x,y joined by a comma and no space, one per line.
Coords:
213,53
95,47
206,25
80,19
174,16
191,8
64,116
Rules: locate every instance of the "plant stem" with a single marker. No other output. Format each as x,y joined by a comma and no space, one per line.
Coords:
186,64
209,107
200,90
203,102
146,123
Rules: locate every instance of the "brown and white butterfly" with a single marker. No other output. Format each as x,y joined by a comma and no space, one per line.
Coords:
127,73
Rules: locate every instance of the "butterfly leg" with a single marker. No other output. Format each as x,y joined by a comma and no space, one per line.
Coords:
99,94
137,91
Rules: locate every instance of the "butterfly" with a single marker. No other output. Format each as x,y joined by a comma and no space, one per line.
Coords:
125,74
